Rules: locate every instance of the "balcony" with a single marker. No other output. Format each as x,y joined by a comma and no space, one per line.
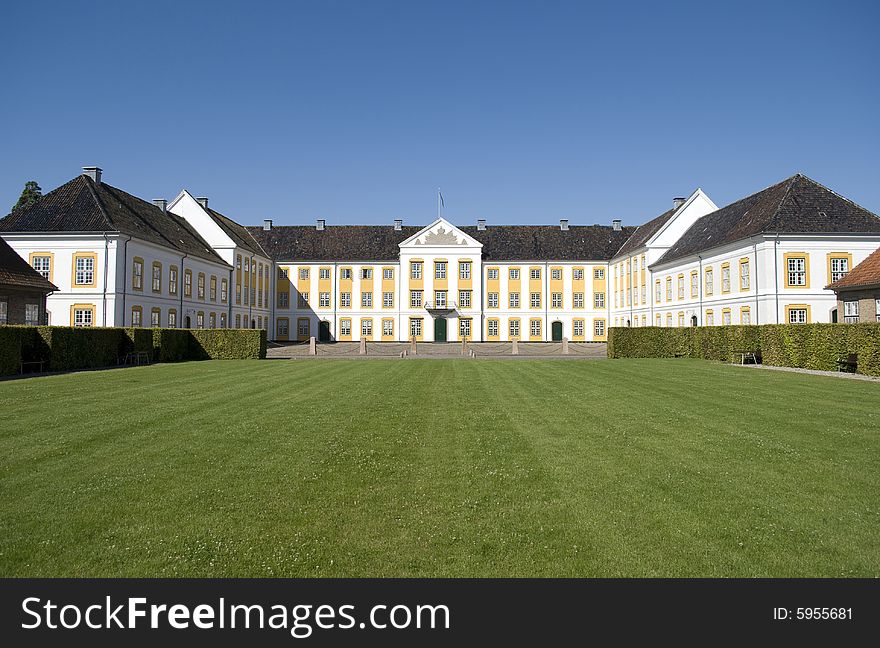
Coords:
441,308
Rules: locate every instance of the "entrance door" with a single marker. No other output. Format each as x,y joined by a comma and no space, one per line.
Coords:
323,331
557,331
440,329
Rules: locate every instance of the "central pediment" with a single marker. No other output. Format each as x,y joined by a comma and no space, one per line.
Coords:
440,233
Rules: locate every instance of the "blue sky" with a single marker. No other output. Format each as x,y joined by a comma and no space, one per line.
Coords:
522,112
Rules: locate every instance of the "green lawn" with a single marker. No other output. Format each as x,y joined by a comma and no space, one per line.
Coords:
440,468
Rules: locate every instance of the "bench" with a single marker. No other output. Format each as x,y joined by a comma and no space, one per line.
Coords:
136,358
37,363
747,357
848,363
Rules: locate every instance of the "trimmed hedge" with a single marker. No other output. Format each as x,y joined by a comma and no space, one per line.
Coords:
806,346
65,348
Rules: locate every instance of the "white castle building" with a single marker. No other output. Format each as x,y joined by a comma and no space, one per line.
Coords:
118,260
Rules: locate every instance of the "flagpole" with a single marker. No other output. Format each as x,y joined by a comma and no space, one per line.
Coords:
439,203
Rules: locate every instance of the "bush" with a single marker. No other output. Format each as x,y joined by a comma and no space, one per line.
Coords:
807,346
67,348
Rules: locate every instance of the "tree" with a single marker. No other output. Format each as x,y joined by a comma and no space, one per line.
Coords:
31,194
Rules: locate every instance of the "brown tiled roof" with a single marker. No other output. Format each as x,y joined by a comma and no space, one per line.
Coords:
645,232
15,271
81,205
867,273
500,242
797,205
238,233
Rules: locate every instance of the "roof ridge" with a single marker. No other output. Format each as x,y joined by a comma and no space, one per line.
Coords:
96,198
790,182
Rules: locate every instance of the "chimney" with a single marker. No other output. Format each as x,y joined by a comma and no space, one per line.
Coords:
267,224
161,203
398,224
203,201
563,224
481,224
615,224
94,173
321,224
677,202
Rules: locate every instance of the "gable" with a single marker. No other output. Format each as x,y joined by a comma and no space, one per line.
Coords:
441,233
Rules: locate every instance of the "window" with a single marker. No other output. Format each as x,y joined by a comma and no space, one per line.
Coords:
172,280
84,271
578,328
464,298
212,320
492,273
155,318
745,316
535,273
283,299
514,273
366,328
415,270
366,273
656,291
136,316
200,320
725,317
172,319
415,298
253,294
223,320
43,265
514,300
464,270
669,320
680,319
247,265
556,300
345,300
464,328
137,274
282,274
797,315
556,273
599,327
599,273
83,316
578,299
345,327
324,273
345,273
680,286
797,272
535,300
440,270
493,300
302,328
535,328
31,314
303,273
514,328
238,321
415,327
387,328
283,327
213,285
710,281
324,300
187,283
599,300
577,274
850,312
668,289
710,318
224,290
200,286
387,300
366,300
439,299
744,278
388,273
695,284
492,328
877,309
302,300
725,278
839,268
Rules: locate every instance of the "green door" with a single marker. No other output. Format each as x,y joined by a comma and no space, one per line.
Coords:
323,331
440,329
557,331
